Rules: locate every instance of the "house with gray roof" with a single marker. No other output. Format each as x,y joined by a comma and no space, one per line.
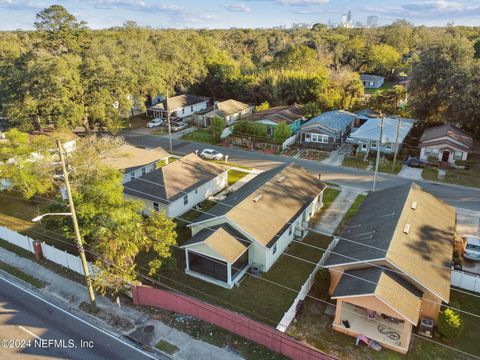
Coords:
253,226
390,267
228,110
177,186
180,106
329,129
290,114
372,81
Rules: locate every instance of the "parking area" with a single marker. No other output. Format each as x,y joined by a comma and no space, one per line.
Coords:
468,223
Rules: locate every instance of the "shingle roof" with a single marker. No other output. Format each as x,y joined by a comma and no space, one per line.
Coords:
230,107
367,113
370,130
368,77
376,232
385,285
173,180
129,158
178,102
278,197
334,121
289,114
447,130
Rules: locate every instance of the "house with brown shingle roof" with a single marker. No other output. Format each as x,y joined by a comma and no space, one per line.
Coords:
135,161
177,186
229,110
447,143
390,268
253,226
290,114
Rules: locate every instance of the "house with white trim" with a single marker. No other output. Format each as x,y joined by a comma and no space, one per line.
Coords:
228,110
180,106
253,226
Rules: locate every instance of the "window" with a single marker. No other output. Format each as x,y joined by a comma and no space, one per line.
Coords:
388,146
364,146
185,200
320,138
274,249
307,136
183,110
191,108
132,175
435,151
428,151
290,231
373,144
196,191
457,155
155,206
144,170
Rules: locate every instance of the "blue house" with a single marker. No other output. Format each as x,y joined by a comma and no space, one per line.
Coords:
372,81
291,114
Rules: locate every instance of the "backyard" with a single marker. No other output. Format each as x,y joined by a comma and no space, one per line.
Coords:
314,327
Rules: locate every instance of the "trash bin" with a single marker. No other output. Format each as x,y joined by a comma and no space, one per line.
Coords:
37,247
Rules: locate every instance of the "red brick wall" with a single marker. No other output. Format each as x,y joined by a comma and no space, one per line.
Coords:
226,319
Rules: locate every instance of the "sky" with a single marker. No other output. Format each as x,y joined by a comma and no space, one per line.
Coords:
20,14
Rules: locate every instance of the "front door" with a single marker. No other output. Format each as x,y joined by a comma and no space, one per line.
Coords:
445,155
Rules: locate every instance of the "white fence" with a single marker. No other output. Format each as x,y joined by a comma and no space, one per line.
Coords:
62,258
226,132
291,140
291,312
466,280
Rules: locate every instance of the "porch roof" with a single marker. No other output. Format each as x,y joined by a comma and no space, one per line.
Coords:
387,286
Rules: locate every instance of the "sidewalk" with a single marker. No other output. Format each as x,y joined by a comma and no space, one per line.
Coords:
330,220
73,293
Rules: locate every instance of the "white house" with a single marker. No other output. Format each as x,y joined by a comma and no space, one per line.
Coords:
229,110
253,226
367,135
180,106
134,161
372,81
177,186
446,142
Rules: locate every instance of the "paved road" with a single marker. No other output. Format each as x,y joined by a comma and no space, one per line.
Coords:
362,179
24,317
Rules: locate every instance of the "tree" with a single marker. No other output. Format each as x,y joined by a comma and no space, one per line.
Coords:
263,106
388,101
217,127
310,109
282,132
383,59
450,324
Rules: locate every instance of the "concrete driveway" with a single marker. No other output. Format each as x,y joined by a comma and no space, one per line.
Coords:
468,223
411,173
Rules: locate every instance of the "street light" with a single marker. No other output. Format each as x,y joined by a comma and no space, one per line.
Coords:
40,217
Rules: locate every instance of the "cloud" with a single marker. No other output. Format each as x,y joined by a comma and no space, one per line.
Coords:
238,7
302,2
21,4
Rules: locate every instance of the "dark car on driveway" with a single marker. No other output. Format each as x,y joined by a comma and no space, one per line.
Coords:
415,163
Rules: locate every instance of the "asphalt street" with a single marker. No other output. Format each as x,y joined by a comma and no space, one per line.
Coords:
459,197
33,329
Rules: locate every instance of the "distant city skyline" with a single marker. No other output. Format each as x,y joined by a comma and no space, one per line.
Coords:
20,14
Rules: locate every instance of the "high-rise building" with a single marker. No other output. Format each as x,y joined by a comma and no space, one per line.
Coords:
372,21
347,20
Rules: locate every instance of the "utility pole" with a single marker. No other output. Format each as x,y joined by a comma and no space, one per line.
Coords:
169,125
379,143
396,144
78,237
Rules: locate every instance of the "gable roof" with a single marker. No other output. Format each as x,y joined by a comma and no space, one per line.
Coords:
376,233
129,158
229,107
223,240
448,130
173,180
178,102
387,286
367,113
334,121
368,77
279,197
370,130
288,114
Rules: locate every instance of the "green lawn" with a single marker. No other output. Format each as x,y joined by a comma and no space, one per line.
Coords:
166,347
235,175
385,166
386,85
201,135
454,176
355,162
314,327
329,195
21,275
222,162
350,213
430,173
259,299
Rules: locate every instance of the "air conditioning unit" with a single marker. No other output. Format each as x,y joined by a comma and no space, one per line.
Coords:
426,327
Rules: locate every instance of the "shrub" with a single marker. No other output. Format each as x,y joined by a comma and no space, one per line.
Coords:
450,324
322,283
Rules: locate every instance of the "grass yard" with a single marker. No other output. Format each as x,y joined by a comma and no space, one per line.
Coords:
138,121
314,327
385,166
222,162
386,85
430,174
200,135
329,196
259,299
463,177
166,347
193,213
21,275
312,154
355,162
350,213
235,175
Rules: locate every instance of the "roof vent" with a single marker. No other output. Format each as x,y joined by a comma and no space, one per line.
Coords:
258,197
414,205
406,228
280,179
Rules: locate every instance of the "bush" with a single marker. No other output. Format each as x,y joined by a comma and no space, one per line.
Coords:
322,283
450,324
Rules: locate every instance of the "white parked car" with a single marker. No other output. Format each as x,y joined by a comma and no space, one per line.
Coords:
471,250
155,123
211,154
